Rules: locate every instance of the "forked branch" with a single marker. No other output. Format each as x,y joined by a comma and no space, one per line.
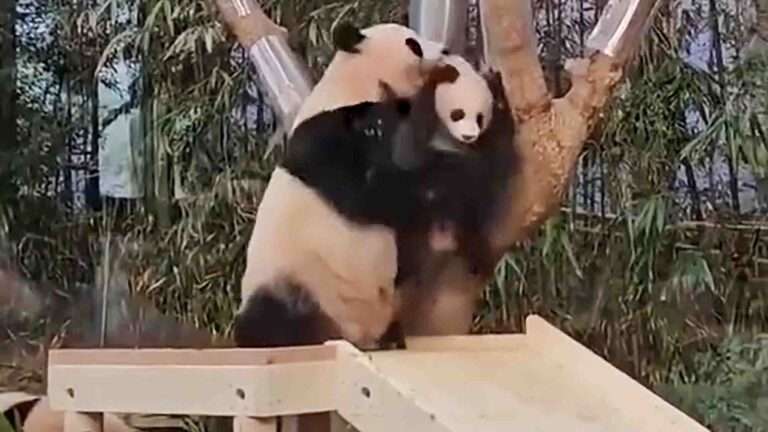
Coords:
551,133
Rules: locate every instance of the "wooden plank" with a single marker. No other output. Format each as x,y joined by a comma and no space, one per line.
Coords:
260,391
491,342
546,383
499,391
289,424
643,409
338,424
191,357
253,424
372,402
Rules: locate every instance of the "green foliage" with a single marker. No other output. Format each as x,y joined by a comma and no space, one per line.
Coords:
192,268
5,426
725,387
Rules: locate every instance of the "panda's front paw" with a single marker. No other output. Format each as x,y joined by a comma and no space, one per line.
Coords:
392,339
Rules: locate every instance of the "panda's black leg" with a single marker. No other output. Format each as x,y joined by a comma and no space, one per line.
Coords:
477,252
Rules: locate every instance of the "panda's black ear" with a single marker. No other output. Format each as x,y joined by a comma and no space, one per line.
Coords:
346,37
415,47
444,74
495,84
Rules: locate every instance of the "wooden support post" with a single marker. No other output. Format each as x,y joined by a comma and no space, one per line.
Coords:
254,424
338,424
83,422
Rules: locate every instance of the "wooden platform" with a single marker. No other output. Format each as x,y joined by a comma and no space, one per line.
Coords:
538,381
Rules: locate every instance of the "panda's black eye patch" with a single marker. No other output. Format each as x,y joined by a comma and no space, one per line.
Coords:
480,119
457,115
415,47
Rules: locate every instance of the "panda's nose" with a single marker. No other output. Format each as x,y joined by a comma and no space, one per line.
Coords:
468,138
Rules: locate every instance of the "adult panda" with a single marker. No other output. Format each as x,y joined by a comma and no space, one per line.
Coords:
311,274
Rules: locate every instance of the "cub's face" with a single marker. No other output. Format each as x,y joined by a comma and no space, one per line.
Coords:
465,105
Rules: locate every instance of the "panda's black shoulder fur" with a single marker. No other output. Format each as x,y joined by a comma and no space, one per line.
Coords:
347,155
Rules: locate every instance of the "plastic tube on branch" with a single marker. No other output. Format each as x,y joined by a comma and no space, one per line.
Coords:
620,21
443,21
284,76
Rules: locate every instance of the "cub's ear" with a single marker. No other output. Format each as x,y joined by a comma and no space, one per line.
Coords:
415,47
495,85
347,37
444,74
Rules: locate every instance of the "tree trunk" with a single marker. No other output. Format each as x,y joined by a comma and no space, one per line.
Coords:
762,18
8,143
758,46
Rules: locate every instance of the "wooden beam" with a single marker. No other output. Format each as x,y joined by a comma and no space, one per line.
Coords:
261,383
253,424
371,402
192,357
83,422
476,343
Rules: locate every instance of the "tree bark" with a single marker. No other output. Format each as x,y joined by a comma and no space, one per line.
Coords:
550,136
8,143
758,46
761,6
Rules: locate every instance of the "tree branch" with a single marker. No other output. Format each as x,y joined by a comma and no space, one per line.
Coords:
551,133
550,136
758,45
512,45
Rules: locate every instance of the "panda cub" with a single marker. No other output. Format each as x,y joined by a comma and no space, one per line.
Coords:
462,184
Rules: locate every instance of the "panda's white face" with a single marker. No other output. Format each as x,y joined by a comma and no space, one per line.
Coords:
399,54
466,105
388,52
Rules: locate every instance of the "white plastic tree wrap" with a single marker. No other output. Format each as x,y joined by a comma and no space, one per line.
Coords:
441,21
283,75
